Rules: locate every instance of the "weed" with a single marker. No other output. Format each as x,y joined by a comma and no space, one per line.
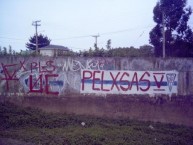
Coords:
34,126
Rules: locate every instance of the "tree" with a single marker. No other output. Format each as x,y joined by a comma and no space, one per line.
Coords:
42,42
146,51
108,44
1,51
90,51
96,51
4,51
174,15
14,53
10,50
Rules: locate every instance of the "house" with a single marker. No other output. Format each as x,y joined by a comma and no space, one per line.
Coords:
53,50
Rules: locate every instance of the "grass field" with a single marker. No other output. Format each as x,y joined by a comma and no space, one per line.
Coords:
26,126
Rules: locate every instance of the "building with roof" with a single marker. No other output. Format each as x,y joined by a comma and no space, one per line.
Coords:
53,50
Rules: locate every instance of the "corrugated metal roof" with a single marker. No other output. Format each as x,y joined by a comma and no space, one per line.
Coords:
51,47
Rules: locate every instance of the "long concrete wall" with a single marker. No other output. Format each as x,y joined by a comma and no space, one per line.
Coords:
60,76
110,87
178,110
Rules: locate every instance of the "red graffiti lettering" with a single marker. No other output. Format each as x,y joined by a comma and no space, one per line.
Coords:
48,86
120,81
22,65
34,65
125,82
35,85
114,81
51,66
86,77
8,75
47,68
94,80
158,83
145,80
135,80
102,82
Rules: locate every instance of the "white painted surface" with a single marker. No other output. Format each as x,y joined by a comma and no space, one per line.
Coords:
47,52
129,82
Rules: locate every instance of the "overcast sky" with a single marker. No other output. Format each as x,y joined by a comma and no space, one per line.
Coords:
72,23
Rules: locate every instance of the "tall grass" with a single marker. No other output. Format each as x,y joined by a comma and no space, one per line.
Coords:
34,126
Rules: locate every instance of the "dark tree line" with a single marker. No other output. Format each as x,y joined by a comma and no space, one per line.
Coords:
143,51
8,51
174,15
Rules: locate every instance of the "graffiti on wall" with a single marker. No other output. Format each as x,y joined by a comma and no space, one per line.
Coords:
93,75
45,76
128,82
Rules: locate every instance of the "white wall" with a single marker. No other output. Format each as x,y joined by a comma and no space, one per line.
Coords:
47,52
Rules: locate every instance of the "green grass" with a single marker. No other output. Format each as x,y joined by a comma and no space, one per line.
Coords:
33,126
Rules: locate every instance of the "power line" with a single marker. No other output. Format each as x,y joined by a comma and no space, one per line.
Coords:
141,34
74,37
11,38
124,30
106,33
83,36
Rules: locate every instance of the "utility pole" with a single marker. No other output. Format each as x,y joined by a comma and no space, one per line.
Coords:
35,23
96,36
163,35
